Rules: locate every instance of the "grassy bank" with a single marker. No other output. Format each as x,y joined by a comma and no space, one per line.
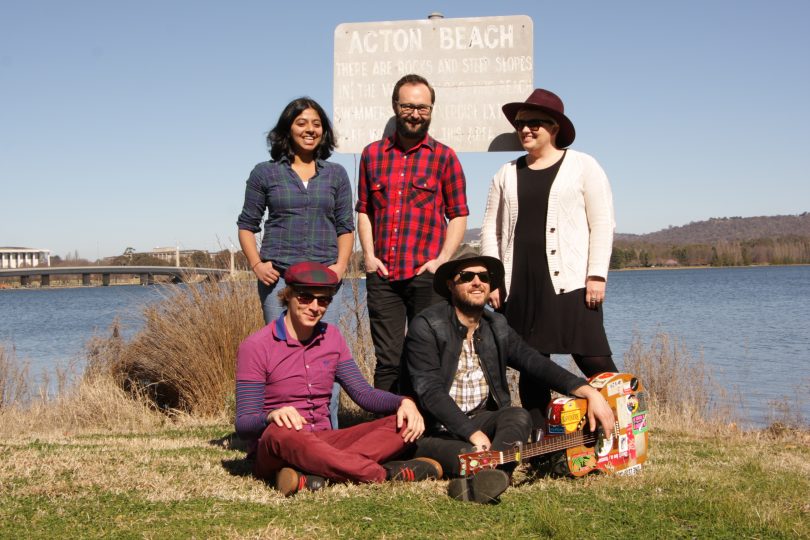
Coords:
189,480
142,446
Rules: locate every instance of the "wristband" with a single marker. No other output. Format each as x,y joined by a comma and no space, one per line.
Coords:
255,265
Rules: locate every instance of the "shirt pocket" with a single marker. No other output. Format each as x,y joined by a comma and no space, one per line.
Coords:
379,197
423,192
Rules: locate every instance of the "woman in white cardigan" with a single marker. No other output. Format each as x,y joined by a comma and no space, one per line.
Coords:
556,250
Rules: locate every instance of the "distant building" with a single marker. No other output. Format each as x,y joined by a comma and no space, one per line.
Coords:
172,254
19,257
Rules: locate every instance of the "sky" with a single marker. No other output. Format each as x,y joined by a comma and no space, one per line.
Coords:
136,124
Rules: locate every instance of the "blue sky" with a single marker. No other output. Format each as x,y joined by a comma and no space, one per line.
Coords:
137,123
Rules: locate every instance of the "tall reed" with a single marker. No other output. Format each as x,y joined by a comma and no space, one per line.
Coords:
185,355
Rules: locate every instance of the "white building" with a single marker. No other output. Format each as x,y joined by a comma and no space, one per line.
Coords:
18,257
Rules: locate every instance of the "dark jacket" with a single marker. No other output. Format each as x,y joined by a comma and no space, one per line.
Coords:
432,349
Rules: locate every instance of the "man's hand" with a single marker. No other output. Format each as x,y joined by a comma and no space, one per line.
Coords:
409,417
480,441
429,266
266,273
288,417
373,264
598,409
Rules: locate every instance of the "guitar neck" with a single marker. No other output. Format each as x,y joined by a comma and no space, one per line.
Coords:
546,446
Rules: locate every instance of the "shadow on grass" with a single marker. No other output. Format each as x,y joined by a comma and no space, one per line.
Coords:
238,467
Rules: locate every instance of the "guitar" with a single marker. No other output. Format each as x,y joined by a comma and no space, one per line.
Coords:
583,451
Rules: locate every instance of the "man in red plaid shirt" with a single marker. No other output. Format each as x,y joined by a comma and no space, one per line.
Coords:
412,214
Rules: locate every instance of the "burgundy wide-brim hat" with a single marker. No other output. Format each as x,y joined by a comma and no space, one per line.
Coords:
552,105
311,274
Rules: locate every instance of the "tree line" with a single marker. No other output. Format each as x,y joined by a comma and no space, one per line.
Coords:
782,250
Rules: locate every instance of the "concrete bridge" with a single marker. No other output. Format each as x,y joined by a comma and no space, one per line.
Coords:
146,273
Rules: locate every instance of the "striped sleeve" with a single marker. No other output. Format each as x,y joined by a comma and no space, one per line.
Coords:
250,418
368,398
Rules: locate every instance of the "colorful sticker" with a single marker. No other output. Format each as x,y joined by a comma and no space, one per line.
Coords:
554,429
632,403
604,446
630,471
615,387
600,380
639,424
582,462
622,414
623,445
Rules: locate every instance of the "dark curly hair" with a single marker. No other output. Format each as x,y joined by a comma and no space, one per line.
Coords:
279,139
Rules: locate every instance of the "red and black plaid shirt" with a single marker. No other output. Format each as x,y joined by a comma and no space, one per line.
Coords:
408,195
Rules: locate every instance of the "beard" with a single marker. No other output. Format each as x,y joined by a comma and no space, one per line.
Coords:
408,131
467,306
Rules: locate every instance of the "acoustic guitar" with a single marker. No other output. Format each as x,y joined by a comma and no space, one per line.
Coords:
580,451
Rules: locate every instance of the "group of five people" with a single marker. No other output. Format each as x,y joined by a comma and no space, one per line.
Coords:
543,272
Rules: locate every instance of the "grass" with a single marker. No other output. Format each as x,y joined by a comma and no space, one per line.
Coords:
101,458
191,480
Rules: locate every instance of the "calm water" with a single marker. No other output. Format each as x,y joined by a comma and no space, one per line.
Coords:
752,325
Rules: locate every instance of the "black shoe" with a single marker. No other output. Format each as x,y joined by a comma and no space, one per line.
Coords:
413,470
485,487
289,481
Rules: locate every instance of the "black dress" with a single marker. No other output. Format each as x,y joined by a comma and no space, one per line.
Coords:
551,323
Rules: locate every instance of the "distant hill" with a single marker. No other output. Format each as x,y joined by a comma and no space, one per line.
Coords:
731,229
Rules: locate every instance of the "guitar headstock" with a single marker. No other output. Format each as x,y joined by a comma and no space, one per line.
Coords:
473,462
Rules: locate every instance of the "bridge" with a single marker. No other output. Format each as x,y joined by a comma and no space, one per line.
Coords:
178,274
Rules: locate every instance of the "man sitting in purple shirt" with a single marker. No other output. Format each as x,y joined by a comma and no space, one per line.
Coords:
284,377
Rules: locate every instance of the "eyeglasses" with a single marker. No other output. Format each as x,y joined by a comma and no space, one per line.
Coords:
306,299
533,123
466,276
408,108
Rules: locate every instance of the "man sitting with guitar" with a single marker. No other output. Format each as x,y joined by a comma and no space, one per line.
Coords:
456,355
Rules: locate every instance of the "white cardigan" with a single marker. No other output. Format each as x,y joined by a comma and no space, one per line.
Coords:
579,223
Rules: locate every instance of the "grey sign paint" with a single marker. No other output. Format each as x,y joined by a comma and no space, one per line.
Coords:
475,65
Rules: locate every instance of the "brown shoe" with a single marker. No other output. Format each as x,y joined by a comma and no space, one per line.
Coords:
289,481
413,470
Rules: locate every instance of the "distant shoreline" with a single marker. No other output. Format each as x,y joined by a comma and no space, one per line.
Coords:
703,267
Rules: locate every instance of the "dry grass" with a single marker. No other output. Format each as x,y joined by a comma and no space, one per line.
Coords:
14,379
680,387
185,356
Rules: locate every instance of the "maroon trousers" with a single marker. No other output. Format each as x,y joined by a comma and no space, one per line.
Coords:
350,454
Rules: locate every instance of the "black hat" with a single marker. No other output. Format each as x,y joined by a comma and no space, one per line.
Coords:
467,257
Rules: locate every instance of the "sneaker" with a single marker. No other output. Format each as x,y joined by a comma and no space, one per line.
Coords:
485,487
289,481
413,470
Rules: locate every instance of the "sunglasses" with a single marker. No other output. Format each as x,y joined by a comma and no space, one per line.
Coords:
466,276
533,123
306,299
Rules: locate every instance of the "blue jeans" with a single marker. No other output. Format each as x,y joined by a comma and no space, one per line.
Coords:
271,309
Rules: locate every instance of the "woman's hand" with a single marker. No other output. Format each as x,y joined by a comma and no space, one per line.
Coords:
594,291
408,415
495,299
266,273
339,269
288,417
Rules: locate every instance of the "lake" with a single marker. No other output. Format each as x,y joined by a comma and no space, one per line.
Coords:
751,325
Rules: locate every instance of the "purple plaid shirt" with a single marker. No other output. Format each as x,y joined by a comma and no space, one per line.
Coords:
408,195
303,223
